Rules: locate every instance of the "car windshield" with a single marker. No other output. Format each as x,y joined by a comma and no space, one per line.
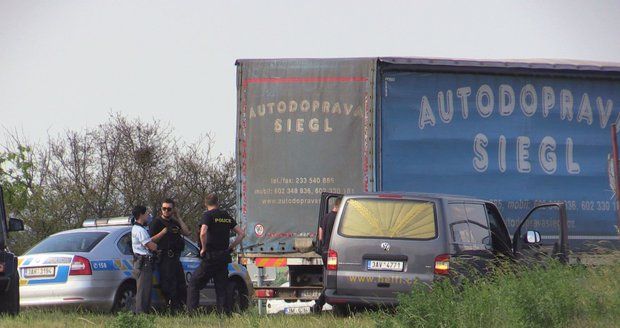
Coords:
69,242
388,218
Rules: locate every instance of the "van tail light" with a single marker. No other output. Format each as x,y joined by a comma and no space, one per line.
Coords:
80,267
332,260
442,264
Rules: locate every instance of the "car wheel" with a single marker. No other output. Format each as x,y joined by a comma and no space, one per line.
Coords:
9,301
238,296
125,298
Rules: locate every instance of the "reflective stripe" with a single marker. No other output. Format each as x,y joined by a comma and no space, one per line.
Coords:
270,262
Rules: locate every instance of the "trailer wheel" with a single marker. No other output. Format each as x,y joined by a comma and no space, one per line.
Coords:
9,301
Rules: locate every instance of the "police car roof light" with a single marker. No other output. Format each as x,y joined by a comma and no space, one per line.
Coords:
104,222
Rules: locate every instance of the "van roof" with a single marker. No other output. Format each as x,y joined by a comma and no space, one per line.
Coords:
397,195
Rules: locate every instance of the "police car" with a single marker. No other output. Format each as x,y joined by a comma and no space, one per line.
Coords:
92,268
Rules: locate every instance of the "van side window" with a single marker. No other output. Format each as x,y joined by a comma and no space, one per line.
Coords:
469,227
478,223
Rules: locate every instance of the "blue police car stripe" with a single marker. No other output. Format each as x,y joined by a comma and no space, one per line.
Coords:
104,265
128,265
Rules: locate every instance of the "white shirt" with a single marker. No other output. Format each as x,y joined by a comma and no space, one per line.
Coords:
139,238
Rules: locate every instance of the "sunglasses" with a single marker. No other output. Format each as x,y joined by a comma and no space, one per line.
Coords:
166,209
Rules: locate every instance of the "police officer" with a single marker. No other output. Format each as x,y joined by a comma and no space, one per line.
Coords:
325,233
144,248
215,249
171,275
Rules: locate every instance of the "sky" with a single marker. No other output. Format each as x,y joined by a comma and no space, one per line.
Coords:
70,64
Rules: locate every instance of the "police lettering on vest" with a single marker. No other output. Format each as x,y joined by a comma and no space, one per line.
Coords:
219,224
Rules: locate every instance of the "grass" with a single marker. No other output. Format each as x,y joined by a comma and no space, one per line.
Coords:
554,296
65,319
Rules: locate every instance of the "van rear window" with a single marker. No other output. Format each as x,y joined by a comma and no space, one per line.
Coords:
388,218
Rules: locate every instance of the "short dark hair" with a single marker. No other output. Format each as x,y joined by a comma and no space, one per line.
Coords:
137,211
212,199
337,201
169,201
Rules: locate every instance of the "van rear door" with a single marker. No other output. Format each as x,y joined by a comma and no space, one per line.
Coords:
383,245
327,203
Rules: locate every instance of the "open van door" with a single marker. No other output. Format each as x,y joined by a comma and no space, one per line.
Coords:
327,203
543,234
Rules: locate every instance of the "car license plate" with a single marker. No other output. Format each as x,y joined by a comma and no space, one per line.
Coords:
297,310
385,265
39,272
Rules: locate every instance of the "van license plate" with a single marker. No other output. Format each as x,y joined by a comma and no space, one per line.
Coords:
39,272
385,265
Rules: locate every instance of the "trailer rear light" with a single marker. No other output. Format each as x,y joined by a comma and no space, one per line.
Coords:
80,267
442,264
332,260
265,293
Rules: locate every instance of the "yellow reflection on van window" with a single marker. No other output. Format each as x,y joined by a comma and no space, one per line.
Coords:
388,218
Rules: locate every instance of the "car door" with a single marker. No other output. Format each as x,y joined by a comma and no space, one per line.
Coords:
325,206
542,234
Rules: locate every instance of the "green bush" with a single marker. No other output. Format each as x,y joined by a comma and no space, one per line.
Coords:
550,296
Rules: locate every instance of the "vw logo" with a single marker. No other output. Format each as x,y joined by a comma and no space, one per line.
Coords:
385,246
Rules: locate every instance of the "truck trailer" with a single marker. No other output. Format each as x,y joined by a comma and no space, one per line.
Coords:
517,132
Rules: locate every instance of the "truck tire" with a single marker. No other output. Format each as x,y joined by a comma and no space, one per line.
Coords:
9,301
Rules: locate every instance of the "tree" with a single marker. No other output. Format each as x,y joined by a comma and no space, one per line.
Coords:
106,170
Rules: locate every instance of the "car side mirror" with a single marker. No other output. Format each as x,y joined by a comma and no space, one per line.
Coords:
532,237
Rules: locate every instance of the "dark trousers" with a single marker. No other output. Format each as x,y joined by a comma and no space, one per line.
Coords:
218,270
143,273
172,281
318,304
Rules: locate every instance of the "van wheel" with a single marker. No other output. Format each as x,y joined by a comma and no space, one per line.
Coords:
238,296
125,298
341,310
9,301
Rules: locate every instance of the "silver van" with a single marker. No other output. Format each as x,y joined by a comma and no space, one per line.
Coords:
383,243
